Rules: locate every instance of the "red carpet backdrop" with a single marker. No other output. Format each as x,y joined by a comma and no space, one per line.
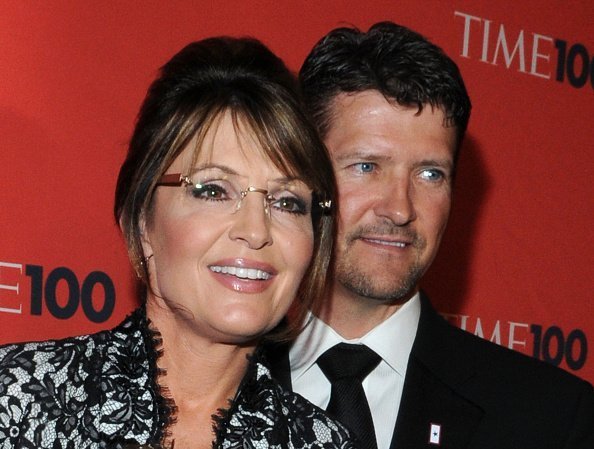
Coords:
516,266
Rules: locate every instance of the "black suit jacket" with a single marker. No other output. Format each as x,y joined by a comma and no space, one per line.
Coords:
481,395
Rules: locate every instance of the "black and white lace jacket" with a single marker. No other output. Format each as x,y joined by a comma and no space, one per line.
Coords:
101,391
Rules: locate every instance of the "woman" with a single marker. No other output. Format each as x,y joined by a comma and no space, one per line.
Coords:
223,201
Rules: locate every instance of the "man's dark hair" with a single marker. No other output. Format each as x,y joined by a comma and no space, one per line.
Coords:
394,60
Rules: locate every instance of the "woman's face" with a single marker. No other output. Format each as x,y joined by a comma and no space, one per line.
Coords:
229,273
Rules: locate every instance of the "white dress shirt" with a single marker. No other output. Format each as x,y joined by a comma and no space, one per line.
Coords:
392,340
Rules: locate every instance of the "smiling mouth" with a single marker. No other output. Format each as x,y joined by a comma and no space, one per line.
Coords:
387,243
241,272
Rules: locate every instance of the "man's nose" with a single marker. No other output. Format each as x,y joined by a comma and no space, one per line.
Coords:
395,201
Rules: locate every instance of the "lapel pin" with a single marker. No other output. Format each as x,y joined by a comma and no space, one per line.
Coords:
435,434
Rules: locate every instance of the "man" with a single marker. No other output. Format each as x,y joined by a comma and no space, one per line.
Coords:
392,109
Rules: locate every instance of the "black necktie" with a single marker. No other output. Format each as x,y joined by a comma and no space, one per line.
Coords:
345,366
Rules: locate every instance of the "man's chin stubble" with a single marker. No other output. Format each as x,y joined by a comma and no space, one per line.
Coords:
363,285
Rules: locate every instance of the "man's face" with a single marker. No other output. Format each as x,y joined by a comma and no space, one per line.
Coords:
394,173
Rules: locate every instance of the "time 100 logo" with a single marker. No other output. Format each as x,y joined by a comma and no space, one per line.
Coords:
60,290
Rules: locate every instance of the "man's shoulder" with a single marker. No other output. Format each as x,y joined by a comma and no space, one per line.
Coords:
437,339
499,387
504,384
508,364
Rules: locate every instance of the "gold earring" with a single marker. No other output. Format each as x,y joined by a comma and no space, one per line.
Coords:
142,266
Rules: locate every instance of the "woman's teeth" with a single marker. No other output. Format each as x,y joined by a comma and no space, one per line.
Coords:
240,272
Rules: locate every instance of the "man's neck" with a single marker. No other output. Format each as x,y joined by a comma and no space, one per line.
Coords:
353,316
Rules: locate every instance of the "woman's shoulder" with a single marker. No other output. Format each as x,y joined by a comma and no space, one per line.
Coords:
87,342
55,361
43,356
78,386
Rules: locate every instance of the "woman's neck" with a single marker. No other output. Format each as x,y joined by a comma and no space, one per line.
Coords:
201,376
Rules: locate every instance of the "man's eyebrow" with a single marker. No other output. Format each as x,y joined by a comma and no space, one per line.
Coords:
362,155
439,162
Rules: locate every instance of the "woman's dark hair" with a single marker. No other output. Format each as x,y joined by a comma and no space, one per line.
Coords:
205,80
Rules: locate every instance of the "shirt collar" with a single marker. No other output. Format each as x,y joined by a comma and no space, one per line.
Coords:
401,327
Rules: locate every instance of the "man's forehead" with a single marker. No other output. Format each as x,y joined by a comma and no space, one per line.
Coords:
370,112
367,127
352,100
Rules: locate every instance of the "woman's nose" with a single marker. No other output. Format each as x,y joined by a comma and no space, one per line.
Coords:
251,219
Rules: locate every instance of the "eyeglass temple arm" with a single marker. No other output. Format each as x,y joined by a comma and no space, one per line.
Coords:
173,179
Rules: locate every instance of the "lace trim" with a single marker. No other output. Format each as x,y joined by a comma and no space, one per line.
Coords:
248,385
165,411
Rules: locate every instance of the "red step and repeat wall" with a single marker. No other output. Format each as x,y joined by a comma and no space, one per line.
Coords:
516,266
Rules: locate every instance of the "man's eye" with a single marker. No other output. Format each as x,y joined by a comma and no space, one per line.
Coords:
432,174
364,167
209,192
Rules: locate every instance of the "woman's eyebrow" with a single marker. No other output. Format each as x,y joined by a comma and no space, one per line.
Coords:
229,171
223,168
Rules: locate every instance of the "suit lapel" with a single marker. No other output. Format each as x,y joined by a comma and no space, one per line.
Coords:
434,412
429,405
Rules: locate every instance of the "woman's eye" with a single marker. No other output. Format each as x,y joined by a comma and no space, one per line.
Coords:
210,192
290,204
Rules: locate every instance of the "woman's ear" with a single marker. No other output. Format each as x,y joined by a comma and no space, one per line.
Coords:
121,225
145,240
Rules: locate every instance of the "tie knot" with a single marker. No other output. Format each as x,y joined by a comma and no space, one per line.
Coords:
348,361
